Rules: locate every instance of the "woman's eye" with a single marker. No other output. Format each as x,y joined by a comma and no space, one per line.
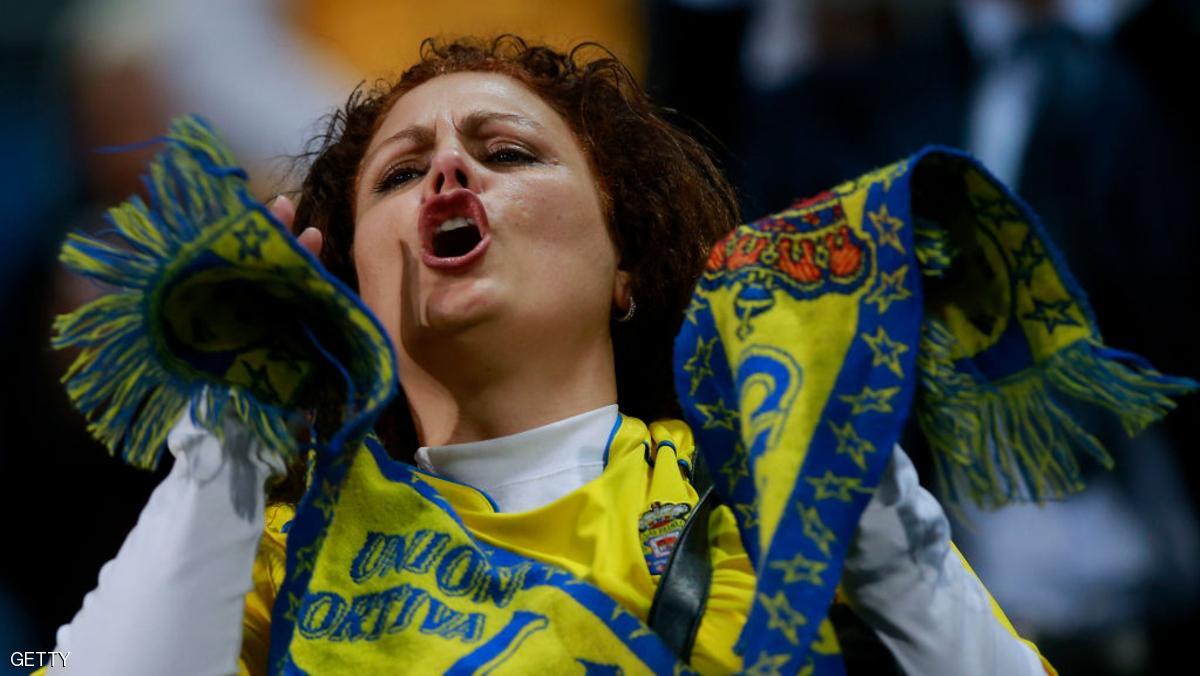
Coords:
396,177
509,155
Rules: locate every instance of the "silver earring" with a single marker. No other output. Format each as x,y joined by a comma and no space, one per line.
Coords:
629,314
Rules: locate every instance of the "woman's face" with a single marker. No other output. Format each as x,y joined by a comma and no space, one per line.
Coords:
477,214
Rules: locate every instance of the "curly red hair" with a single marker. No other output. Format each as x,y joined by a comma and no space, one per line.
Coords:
664,198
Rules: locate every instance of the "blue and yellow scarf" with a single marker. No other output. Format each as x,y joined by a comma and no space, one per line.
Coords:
924,288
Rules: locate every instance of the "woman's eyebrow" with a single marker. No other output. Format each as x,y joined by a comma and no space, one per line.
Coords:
473,121
416,134
470,125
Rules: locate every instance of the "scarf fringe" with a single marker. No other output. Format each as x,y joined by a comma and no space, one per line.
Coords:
1011,440
117,380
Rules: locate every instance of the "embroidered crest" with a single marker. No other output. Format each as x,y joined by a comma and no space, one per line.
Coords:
808,250
659,528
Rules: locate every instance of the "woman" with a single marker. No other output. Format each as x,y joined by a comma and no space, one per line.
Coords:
528,230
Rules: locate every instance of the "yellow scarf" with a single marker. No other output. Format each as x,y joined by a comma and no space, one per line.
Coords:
811,334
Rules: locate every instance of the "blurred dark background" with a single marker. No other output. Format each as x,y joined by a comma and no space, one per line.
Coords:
1085,107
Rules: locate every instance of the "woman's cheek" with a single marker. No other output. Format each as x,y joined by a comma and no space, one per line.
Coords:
370,256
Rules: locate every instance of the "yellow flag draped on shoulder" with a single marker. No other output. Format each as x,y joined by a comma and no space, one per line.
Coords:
814,330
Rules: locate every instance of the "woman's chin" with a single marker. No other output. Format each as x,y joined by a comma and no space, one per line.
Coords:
461,308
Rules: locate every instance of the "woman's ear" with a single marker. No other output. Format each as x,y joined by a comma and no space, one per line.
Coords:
622,292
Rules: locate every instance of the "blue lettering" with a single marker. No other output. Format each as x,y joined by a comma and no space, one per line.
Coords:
369,616
444,621
412,601
467,627
319,613
379,550
389,598
384,553
425,548
461,571
502,585
350,628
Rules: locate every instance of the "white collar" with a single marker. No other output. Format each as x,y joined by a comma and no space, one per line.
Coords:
528,469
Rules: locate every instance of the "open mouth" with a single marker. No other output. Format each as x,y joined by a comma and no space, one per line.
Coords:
456,237
454,230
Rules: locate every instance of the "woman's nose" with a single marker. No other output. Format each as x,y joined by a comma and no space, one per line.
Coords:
448,171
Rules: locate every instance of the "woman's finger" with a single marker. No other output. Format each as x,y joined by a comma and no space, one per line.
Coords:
311,239
283,209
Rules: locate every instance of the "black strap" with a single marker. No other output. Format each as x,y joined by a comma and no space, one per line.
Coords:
683,588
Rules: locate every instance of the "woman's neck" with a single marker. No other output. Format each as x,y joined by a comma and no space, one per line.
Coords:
462,399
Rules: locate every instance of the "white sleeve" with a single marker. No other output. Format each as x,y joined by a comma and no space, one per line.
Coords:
905,581
171,602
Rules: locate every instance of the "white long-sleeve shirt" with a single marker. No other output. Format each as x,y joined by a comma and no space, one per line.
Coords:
172,599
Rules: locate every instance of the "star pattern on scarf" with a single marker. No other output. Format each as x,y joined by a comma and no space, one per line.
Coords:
1051,313
641,631
718,415
698,365
306,557
250,240
694,308
891,289
815,529
885,351
749,515
260,379
324,500
293,605
617,613
888,227
870,400
782,616
849,443
768,665
836,487
800,569
1030,255
734,468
